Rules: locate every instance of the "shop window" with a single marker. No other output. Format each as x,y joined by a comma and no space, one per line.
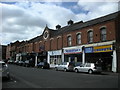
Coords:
103,34
69,41
90,36
55,59
78,38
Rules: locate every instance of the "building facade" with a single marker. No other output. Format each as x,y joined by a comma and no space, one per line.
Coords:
91,41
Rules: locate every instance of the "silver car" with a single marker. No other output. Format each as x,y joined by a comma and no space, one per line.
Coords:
65,66
4,72
88,67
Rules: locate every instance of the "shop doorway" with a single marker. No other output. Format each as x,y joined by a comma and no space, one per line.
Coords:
73,58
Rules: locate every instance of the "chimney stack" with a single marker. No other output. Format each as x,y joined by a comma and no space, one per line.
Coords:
58,27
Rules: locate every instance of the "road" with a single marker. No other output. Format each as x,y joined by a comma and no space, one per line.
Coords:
29,77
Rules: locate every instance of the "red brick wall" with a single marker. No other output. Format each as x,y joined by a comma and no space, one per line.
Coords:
62,41
8,52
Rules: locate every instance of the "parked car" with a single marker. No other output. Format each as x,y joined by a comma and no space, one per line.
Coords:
43,65
4,71
20,63
26,63
88,67
16,62
10,61
65,66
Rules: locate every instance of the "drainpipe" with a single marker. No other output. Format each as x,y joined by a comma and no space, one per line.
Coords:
62,55
114,61
36,59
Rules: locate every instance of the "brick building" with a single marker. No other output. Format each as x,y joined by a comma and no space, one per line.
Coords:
89,41
3,52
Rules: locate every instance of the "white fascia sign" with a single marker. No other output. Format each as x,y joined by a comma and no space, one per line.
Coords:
73,50
57,52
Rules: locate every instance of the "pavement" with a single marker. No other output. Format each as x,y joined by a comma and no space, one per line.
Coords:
110,73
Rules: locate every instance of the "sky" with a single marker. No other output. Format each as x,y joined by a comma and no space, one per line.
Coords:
25,19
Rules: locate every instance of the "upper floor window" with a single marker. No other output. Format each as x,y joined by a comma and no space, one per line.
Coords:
78,38
90,36
69,41
103,34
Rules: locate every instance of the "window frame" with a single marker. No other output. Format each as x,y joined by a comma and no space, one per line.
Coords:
90,37
78,40
103,34
69,40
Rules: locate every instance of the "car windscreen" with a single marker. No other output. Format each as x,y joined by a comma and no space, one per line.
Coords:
78,63
41,63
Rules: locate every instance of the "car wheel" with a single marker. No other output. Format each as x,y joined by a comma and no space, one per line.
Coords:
65,70
76,70
90,71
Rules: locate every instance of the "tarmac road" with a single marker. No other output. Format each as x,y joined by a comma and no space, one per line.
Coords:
29,77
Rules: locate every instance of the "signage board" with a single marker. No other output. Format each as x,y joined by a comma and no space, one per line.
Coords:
107,48
72,51
89,50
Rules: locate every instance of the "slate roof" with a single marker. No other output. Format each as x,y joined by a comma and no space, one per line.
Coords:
80,25
38,38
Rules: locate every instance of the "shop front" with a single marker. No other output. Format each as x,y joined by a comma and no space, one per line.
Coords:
42,56
73,54
105,55
54,57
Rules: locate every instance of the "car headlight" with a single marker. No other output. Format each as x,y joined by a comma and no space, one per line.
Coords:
6,65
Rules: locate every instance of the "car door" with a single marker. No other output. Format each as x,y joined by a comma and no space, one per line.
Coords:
63,65
81,68
60,66
87,67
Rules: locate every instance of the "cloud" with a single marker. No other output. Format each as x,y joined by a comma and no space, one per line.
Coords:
96,9
26,20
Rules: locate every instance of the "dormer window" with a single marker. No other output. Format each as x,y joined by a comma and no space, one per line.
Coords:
70,22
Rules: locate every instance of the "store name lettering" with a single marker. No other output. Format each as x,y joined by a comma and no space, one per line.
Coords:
103,49
72,50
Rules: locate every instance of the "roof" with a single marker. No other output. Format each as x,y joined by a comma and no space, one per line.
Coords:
73,27
80,25
38,38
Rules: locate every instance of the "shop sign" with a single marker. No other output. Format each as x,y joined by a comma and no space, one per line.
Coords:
89,50
72,51
52,53
107,48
